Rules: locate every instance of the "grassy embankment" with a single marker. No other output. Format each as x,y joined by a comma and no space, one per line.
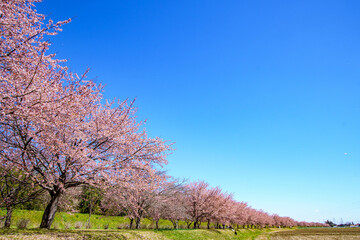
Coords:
111,234
66,225
65,220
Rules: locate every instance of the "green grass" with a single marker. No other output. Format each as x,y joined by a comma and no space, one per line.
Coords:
64,220
251,233
64,228
210,234
69,220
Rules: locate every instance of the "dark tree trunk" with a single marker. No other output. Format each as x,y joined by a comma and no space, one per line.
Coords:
131,222
208,224
188,225
50,210
195,224
7,223
137,223
90,209
157,224
173,223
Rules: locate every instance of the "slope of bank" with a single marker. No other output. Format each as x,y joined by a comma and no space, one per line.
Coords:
190,234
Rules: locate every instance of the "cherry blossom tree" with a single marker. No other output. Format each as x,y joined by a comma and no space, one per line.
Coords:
170,203
219,207
174,208
241,213
201,201
263,219
135,192
155,212
78,148
277,220
55,128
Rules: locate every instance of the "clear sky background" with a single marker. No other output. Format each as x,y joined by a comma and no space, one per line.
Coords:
261,97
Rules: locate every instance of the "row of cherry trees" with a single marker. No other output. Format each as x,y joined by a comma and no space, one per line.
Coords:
56,133
193,203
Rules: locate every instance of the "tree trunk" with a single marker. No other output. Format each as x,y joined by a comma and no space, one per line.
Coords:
188,225
131,223
9,210
90,208
137,223
195,225
208,224
50,210
157,224
173,223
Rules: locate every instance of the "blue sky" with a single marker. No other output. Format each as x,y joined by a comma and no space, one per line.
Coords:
261,97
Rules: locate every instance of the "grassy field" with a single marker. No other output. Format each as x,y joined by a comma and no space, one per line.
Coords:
73,226
65,220
75,221
317,233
